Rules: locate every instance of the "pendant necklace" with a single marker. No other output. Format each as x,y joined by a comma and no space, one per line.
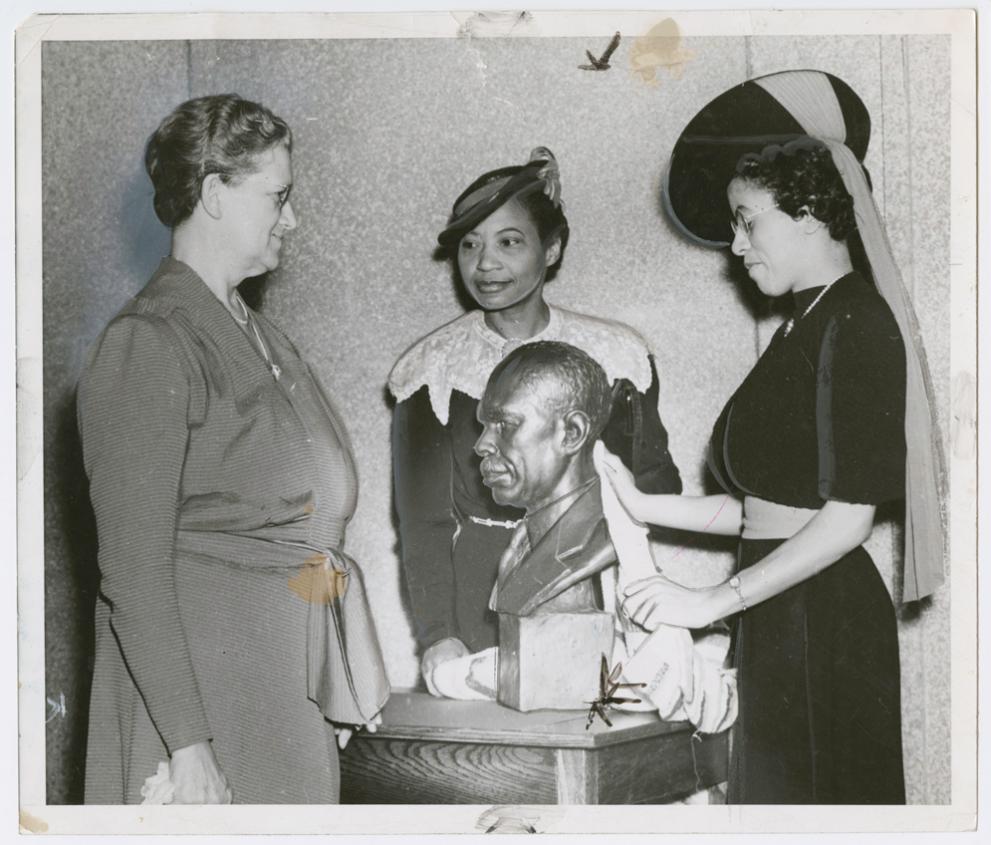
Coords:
244,321
239,303
791,320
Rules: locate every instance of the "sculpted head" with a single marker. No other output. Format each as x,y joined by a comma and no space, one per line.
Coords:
544,406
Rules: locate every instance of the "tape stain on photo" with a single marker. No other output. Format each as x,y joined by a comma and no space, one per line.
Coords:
512,818
317,582
493,24
472,25
32,824
660,49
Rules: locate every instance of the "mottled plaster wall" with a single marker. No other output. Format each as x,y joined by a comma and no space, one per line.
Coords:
101,238
386,135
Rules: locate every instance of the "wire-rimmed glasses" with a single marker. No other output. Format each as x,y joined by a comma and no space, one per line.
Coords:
742,222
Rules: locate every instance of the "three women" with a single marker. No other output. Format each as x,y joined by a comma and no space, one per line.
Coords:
811,442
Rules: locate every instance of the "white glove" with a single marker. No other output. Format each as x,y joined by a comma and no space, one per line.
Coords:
158,789
469,678
664,662
713,704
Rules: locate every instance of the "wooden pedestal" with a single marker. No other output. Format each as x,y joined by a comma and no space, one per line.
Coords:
437,751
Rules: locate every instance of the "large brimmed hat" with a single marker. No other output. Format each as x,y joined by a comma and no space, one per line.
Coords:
497,187
744,119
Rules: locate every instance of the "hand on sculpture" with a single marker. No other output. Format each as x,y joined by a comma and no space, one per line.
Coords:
657,600
344,734
196,776
440,652
614,472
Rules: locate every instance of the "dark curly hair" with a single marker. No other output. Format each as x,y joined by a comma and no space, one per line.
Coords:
220,134
579,382
801,174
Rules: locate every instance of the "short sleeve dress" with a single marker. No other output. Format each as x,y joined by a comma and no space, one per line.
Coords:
452,533
820,417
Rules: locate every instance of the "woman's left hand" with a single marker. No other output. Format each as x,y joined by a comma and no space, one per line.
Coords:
655,601
344,734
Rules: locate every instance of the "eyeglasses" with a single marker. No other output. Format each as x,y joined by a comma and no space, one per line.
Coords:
742,223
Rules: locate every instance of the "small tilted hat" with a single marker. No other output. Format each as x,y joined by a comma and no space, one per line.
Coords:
497,187
745,119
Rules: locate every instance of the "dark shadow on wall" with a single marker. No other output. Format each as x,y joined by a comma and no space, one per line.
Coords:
143,239
71,570
72,579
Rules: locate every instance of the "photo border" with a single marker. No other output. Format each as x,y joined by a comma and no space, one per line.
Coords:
38,815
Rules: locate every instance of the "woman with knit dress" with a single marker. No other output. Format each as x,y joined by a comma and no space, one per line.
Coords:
222,483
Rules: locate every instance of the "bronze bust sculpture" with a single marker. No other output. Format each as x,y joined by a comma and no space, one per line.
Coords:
544,407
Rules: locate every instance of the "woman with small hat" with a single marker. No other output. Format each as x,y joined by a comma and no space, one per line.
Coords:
507,235
222,482
833,420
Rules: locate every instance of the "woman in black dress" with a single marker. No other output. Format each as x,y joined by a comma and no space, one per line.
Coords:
811,442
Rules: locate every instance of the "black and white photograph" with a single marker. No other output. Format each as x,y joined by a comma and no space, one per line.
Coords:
495,420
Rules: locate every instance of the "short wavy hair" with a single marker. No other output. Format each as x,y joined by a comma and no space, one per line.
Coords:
222,134
801,174
579,381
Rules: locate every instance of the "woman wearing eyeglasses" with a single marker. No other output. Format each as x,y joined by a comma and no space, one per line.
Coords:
222,483
813,440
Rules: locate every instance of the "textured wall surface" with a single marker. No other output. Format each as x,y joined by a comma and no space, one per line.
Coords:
387,133
100,238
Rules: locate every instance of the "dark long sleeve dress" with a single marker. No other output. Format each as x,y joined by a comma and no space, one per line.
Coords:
452,533
820,417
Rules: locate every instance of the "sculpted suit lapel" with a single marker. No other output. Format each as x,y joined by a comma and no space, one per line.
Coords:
574,548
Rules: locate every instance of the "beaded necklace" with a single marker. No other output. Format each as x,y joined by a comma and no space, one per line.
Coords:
790,324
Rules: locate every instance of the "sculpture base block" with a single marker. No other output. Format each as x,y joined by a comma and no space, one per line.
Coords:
552,660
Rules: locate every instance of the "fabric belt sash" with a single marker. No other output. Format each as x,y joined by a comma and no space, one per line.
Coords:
345,671
764,520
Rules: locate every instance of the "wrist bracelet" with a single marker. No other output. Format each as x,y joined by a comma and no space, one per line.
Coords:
734,582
